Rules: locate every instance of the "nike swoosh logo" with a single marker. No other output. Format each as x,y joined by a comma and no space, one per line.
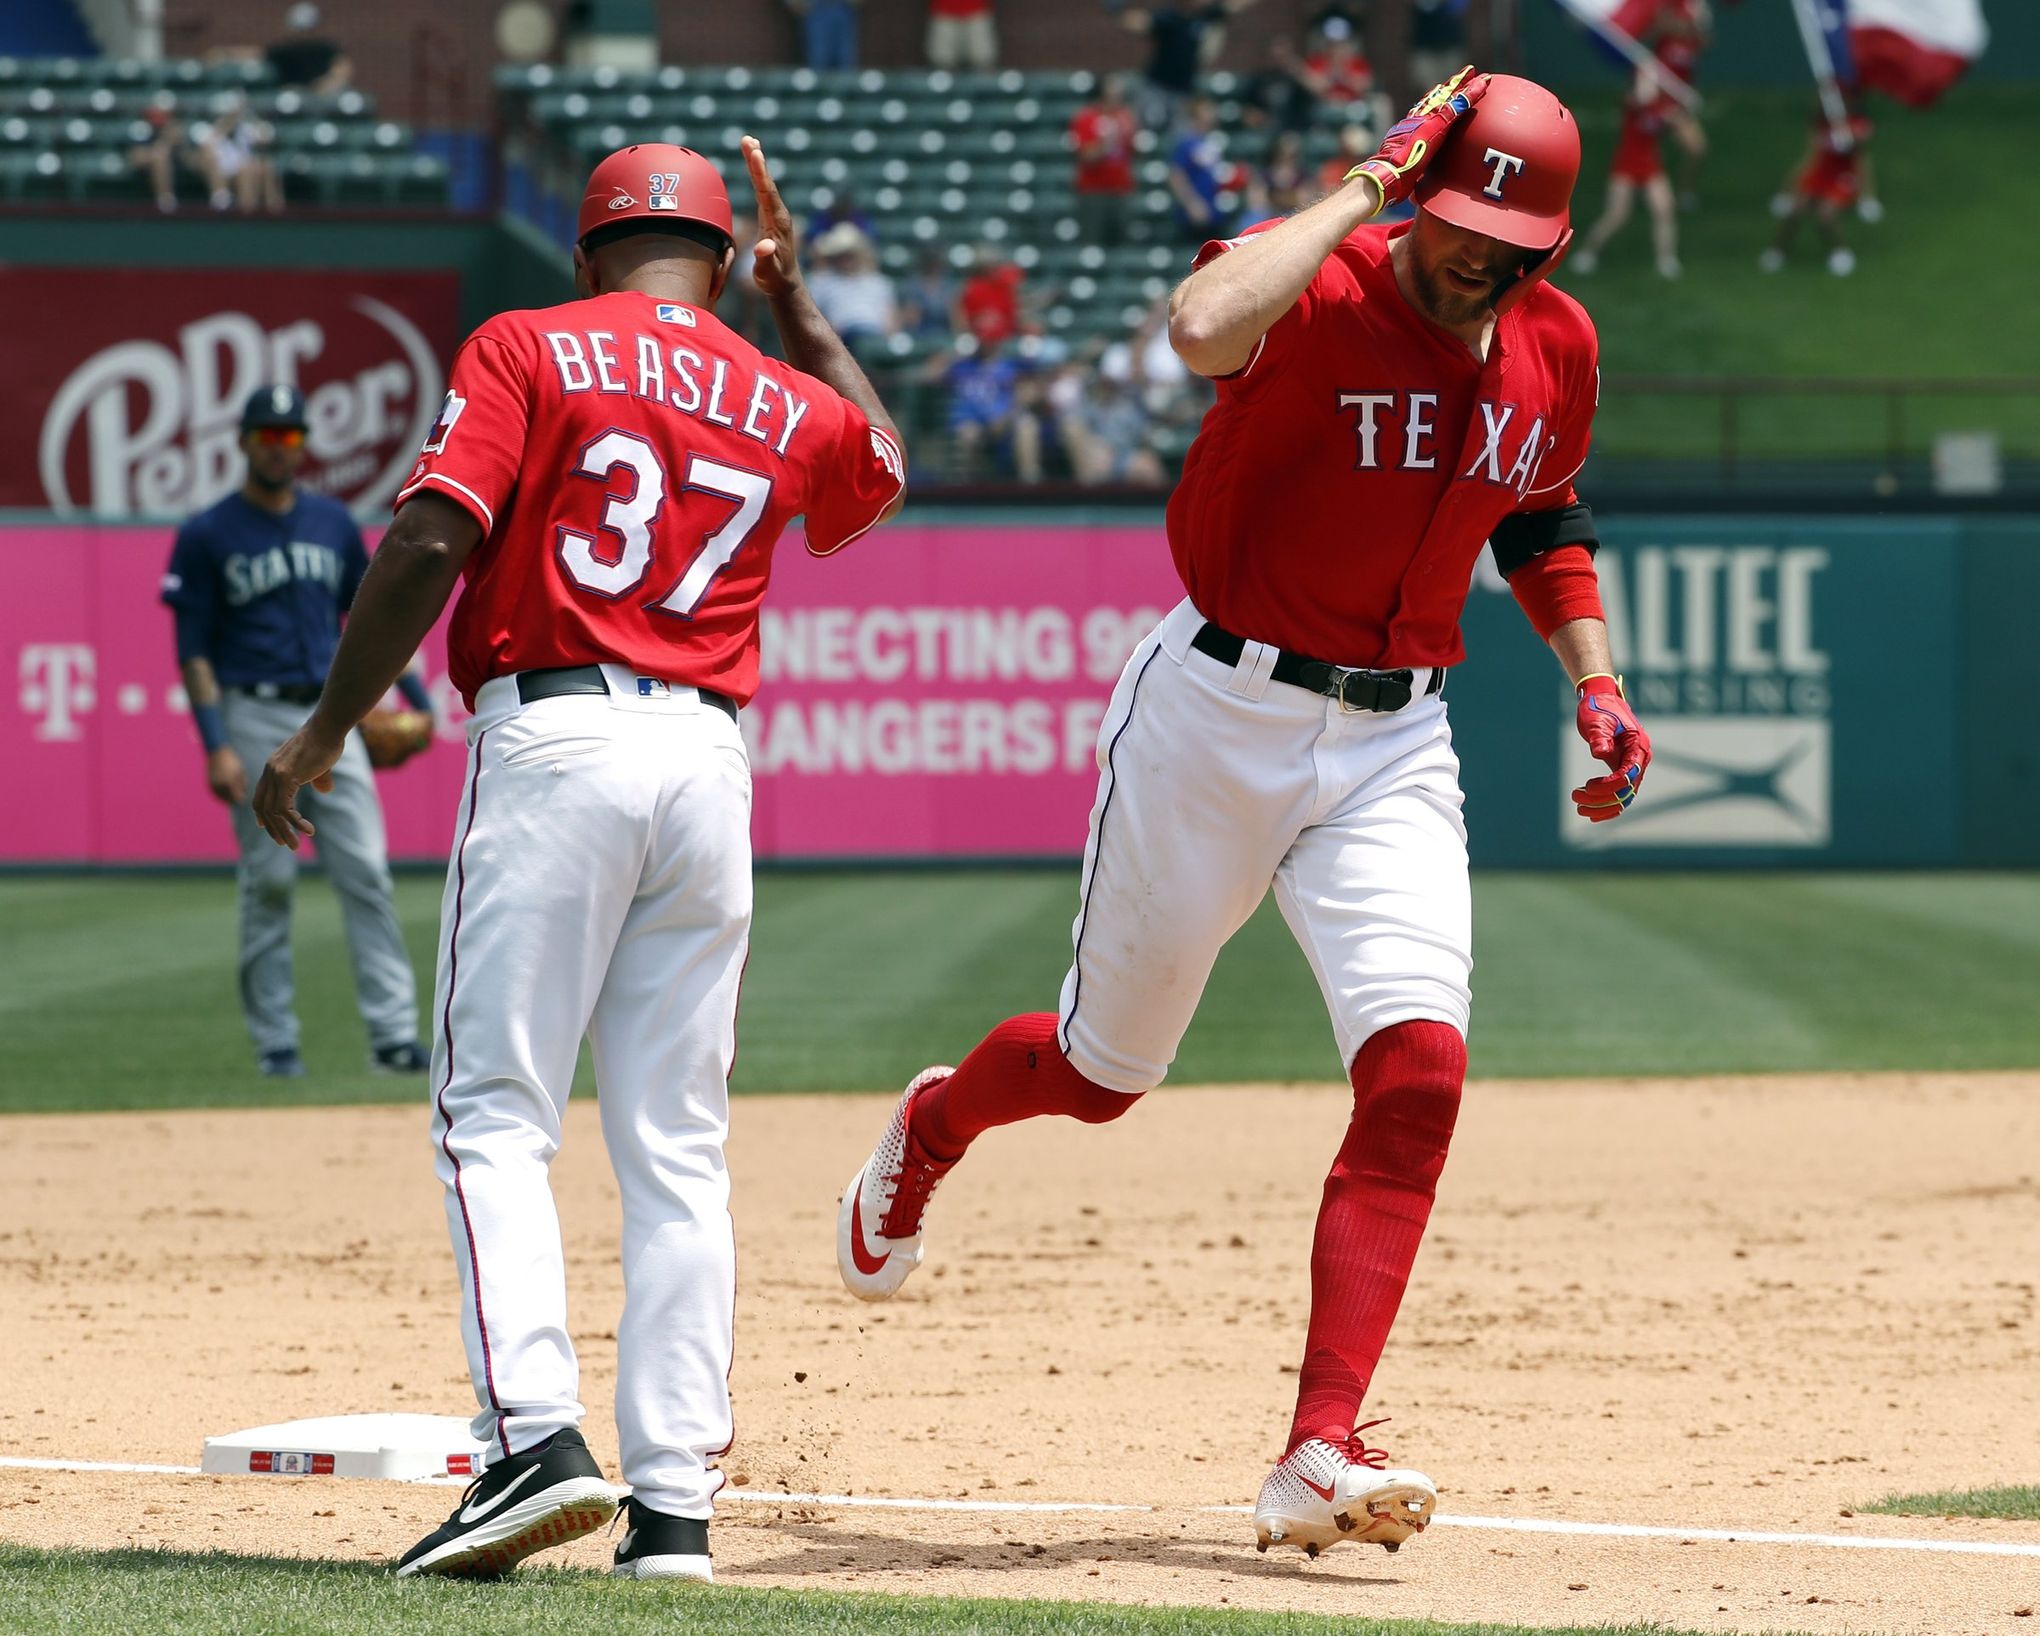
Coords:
475,1513
1324,1493
868,1264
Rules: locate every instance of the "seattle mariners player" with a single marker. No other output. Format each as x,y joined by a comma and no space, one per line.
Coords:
257,585
1388,400
610,476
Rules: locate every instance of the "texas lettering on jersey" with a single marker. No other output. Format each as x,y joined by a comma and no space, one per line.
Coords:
1389,452
1414,416
632,463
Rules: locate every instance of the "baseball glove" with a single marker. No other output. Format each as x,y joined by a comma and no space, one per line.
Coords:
394,736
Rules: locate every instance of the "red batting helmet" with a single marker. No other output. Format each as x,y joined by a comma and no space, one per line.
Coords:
657,185
1508,167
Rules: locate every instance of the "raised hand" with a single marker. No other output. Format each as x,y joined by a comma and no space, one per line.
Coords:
1413,141
775,265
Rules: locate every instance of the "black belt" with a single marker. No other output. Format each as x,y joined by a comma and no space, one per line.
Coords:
281,692
1383,690
533,685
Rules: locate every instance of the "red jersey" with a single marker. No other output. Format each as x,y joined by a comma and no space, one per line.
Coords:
1341,488
1110,170
991,303
632,462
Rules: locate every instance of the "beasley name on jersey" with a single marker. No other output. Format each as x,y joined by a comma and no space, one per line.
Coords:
633,462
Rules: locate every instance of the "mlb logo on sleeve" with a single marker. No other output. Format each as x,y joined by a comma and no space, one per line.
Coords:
671,312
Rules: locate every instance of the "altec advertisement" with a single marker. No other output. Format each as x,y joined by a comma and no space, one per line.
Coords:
125,392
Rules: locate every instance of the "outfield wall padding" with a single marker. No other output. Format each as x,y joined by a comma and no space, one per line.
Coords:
1848,691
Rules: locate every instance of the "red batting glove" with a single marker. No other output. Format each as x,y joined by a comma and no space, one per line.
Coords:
1616,737
1413,141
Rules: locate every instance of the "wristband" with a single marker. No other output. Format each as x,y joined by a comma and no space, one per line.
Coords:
1580,686
212,731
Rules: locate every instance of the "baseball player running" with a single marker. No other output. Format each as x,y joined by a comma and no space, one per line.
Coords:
257,585
1388,400
609,477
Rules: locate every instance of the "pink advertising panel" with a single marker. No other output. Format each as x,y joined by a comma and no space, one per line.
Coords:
933,692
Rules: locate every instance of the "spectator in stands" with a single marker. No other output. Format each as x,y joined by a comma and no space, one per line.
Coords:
1352,13
306,59
1338,70
855,297
1285,180
828,30
1276,93
1147,365
234,153
1200,175
1356,142
1108,437
988,307
1102,134
841,209
1183,38
961,34
987,422
156,156
1436,40
1833,174
930,299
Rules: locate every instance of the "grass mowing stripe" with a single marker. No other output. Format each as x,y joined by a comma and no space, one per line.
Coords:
151,1593
2016,1503
124,990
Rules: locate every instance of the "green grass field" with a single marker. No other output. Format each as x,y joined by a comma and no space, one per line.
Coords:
1725,317
118,1593
2020,1503
119,992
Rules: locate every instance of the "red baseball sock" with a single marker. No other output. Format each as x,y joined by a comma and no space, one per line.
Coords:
1017,1072
1406,1083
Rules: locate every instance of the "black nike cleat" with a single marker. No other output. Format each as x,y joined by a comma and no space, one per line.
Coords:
662,1547
528,1502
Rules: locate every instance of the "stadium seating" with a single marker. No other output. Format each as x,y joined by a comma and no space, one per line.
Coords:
67,125
929,156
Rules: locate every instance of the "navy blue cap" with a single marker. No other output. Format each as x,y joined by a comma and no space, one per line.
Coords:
273,406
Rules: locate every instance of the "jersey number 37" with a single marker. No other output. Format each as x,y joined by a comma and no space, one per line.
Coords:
614,567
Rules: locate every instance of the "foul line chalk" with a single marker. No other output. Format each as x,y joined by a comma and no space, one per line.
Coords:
1513,1525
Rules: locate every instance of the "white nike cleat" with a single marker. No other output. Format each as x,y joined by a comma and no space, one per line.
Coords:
878,1227
1322,1493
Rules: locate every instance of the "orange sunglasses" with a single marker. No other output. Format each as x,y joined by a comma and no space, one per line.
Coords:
281,437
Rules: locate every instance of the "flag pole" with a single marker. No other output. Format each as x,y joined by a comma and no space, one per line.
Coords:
1674,87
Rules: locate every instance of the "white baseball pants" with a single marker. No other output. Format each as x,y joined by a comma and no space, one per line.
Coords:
601,885
1216,783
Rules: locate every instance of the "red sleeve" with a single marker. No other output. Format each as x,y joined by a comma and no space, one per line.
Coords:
1556,587
475,447
1083,127
864,474
1284,337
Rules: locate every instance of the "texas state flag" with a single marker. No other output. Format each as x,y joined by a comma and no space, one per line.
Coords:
1911,50
1605,20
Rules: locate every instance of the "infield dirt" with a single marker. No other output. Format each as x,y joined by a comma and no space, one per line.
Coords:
1729,1303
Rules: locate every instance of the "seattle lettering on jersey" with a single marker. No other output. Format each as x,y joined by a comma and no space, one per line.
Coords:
248,577
1506,455
678,378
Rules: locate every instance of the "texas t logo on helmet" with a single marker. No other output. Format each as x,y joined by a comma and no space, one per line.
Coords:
1505,165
